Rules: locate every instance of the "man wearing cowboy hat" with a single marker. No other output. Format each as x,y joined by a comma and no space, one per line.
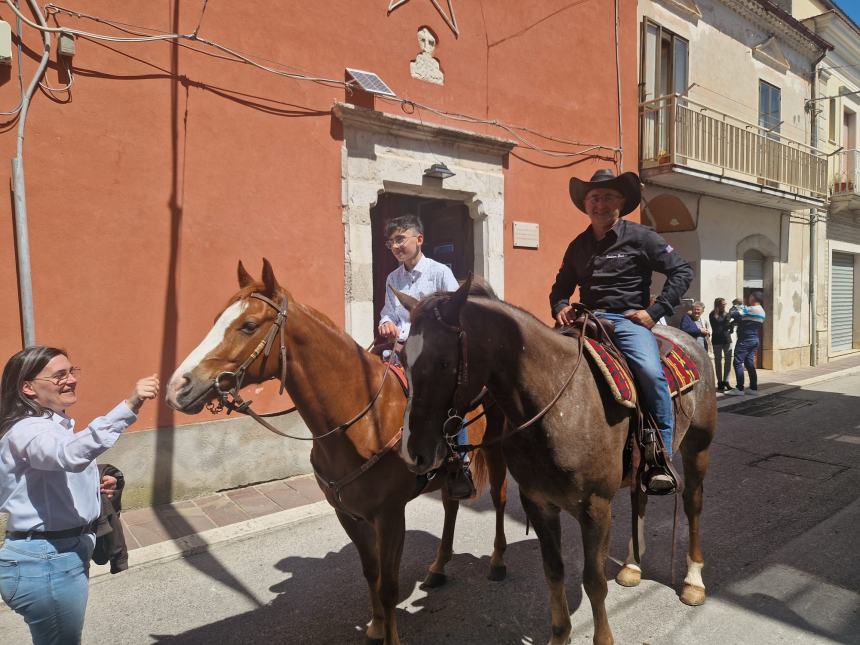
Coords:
612,262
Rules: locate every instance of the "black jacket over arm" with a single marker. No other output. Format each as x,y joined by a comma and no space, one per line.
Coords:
614,274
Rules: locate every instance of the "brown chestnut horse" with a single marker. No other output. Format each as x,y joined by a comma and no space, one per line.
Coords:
331,379
571,457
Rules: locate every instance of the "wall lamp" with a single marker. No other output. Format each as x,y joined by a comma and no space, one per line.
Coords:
439,171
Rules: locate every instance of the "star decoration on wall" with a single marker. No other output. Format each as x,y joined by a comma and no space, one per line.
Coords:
449,18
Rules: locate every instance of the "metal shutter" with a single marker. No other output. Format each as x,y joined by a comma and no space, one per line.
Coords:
753,271
842,301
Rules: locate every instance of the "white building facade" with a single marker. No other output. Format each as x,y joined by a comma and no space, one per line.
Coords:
732,170
836,107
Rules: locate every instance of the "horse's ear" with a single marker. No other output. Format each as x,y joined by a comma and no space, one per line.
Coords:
450,310
405,299
245,278
269,282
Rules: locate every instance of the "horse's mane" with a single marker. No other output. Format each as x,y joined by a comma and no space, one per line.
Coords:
478,289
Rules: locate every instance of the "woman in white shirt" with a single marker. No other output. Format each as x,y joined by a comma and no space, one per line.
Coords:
49,486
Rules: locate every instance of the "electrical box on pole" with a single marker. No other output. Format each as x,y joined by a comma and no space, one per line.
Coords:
5,43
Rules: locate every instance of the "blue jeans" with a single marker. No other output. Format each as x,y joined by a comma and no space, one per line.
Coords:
47,582
462,440
745,351
643,355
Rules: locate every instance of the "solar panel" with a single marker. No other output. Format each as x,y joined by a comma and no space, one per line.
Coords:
370,82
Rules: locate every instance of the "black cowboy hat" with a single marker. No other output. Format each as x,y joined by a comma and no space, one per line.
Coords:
627,184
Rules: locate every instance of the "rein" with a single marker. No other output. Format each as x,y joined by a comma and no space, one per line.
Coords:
227,384
457,420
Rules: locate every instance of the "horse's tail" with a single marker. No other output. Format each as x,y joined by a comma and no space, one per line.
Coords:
480,472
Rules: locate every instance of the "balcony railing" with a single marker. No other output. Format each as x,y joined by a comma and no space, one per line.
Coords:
846,172
677,130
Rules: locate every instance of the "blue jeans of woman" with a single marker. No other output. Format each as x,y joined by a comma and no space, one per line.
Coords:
745,351
722,362
643,355
47,582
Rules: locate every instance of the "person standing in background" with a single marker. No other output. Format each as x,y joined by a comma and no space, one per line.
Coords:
693,324
750,320
721,339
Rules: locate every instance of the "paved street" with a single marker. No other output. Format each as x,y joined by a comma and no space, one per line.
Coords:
779,532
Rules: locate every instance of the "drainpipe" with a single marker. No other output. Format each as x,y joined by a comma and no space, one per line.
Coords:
22,241
813,234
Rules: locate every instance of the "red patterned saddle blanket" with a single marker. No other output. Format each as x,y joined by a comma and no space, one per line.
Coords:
398,371
678,367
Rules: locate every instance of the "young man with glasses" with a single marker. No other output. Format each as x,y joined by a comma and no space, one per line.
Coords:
417,276
612,262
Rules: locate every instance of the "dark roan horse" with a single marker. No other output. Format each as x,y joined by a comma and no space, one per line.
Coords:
571,457
331,380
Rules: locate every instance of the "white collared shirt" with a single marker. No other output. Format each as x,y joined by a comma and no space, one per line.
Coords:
49,480
428,276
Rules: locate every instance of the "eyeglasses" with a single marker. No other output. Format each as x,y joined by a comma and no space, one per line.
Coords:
398,240
606,199
60,378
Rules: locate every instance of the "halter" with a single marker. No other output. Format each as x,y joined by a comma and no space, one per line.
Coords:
455,421
227,384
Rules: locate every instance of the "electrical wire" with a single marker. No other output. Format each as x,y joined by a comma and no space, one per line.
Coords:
65,88
237,56
86,34
233,54
512,130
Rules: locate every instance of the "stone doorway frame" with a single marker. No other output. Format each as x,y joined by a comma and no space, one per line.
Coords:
386,153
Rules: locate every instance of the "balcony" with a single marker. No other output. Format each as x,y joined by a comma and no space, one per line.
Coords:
689,146
845,185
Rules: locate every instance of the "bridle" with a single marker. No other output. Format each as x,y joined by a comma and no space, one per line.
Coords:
456,419
227,384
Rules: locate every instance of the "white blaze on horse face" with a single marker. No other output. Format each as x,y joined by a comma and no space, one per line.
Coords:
213,339
414,346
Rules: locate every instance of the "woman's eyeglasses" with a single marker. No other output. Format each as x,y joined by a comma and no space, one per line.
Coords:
398,240
60,378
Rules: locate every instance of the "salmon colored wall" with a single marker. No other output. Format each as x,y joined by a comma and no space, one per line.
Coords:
168,165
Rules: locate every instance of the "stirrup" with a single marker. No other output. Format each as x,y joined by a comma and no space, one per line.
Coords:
459,483
660,482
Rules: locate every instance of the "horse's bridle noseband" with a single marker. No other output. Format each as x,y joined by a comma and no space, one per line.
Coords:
227,384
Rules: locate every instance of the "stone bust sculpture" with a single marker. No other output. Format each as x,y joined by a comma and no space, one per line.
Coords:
425,67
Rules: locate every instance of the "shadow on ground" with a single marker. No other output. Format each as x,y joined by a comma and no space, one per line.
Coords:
780,502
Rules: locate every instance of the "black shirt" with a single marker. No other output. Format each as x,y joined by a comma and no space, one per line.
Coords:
721,328
614,273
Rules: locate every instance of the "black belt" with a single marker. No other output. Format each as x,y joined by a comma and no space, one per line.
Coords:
53,535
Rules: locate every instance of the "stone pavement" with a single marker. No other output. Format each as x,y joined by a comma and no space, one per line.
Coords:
147,526
770,382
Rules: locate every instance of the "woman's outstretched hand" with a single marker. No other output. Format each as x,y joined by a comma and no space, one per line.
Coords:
144,389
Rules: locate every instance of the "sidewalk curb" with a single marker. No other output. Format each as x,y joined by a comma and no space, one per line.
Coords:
205,540
729,402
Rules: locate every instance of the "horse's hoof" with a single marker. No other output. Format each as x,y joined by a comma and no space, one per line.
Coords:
559,637
692,595
434,580
628,577
497,574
